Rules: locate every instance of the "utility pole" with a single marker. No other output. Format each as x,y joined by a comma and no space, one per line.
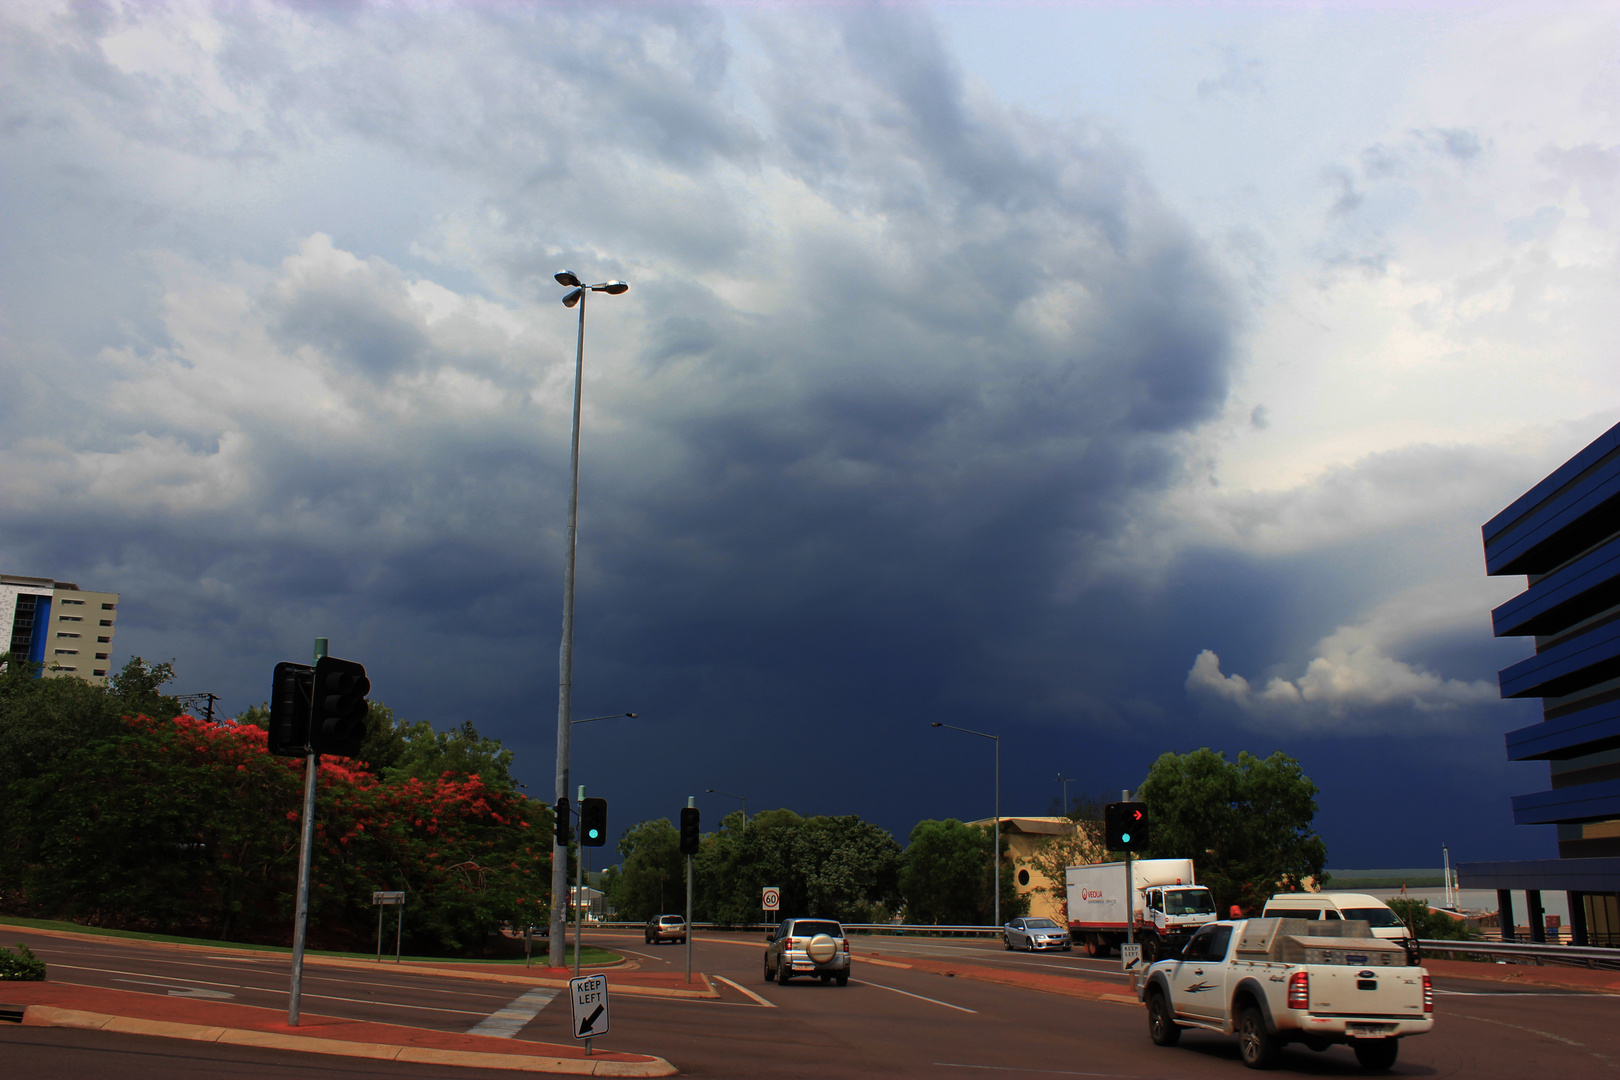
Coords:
306,851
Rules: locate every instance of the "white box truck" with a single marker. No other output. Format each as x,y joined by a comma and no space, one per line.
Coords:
1167,902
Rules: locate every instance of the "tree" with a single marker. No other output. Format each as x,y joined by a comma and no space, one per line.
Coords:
1429,924
945,879
1246,825
651,879
1054,855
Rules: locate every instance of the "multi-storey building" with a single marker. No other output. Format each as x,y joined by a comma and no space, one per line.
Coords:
55,623
1564,536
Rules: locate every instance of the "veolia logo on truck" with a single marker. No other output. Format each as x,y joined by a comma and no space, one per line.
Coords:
1091,895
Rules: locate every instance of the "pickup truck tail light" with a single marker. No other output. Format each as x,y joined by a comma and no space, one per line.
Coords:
846,944
1299,990
1428,995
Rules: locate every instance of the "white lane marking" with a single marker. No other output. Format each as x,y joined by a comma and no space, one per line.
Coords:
182,991
1514,993
506,1022
743,989
919,997
649,956
272,990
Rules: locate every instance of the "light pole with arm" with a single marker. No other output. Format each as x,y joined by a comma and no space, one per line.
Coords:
995,844
729,795
565,652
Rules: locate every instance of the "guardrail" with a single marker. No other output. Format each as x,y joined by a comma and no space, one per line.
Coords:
1564,955
859,928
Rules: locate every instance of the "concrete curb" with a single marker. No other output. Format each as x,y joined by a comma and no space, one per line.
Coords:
51,1016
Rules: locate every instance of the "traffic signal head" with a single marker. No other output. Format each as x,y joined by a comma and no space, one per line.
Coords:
1125,826
560,830
290,690
593,822
691,839
337,723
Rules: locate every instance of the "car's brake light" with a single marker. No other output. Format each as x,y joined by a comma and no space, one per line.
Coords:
1428,995
792,943
1299,990
846,944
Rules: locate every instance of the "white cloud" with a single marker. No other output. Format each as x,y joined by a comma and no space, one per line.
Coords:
1354,684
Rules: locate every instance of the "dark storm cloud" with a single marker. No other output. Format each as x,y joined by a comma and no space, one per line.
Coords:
895,361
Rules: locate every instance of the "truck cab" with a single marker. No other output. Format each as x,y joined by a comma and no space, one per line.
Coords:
1175,911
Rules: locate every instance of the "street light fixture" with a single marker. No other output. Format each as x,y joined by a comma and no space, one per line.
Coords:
565,653
614,716
729,795
995,859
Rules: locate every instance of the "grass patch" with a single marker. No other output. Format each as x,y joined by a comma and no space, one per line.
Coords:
590,956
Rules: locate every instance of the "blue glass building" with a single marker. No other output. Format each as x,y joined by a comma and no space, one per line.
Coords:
1563,535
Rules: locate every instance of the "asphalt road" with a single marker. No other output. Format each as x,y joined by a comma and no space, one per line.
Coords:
886,1022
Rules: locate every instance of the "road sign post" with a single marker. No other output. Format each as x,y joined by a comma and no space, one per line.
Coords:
691,804
588,998
386,899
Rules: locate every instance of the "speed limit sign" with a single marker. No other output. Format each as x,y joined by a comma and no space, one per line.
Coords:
772,898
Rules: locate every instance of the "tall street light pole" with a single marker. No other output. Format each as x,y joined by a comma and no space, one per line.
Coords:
565,653
995,859
729,795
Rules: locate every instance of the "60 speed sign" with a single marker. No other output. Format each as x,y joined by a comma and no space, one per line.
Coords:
771,899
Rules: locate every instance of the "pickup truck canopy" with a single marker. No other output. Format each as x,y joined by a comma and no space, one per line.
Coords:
1302,941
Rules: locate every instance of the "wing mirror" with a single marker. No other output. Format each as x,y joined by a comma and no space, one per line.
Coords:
770,936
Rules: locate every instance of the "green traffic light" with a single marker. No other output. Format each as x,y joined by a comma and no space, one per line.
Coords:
1125,838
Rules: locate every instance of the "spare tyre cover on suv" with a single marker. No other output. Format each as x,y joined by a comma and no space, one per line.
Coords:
822,948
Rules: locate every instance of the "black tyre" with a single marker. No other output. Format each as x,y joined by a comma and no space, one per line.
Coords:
1007,941
843,978
1376,1054
782,972
826,980
768,969
1258,1046
1162,1027
1150,951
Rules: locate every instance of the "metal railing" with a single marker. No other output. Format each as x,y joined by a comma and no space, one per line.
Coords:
1522,951
858,928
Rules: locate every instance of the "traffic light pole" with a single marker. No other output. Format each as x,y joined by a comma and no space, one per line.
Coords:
1130,888
579,890
691,801
306,849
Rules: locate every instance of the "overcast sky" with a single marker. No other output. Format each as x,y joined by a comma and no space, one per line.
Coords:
1116,379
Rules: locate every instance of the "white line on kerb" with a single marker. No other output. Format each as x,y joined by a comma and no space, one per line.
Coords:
1046,1072
744,989
919,997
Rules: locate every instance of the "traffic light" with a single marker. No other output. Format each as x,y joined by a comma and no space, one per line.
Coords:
1125,826
560,823
289,709
690,837
337,723
593,822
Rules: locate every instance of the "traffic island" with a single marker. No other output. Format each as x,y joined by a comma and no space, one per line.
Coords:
95,1008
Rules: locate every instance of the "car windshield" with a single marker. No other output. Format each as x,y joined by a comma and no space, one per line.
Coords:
812,927
1188,902
1378,916
1039,924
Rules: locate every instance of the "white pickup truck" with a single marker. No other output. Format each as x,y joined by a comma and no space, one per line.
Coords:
1277,981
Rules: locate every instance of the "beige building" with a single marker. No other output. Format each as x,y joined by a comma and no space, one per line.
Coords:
1024,835
55,623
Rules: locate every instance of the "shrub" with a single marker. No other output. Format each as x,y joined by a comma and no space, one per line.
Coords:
22,965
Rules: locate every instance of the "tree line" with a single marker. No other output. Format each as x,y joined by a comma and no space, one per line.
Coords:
117,809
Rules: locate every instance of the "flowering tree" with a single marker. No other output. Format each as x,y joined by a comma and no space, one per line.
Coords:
186,825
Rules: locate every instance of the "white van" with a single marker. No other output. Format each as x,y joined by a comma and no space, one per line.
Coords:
1329,906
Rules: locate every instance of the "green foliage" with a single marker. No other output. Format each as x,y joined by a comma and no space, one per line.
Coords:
186,825
137,690
1431,925
651,879
945,879
836,867
22,965
405,751
1246,825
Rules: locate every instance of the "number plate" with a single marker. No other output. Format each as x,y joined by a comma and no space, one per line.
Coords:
1367,1031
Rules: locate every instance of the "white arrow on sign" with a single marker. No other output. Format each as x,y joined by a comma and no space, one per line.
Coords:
772,898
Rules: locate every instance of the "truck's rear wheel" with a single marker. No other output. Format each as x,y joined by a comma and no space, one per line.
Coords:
1257,1045
1162,1028
1376,1054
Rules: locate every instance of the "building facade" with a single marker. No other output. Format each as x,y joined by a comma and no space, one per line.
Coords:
1563,535
1024,836
67,629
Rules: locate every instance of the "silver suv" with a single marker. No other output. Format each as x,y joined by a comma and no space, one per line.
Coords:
666,928
807,947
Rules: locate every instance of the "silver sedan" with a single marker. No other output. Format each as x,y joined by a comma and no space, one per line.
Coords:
1036,933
